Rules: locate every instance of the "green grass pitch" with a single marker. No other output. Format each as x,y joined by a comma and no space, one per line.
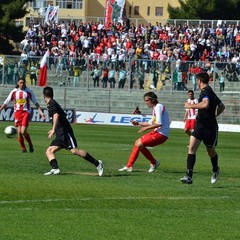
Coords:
80,205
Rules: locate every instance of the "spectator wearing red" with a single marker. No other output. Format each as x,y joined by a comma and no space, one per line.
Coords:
205,55
155,54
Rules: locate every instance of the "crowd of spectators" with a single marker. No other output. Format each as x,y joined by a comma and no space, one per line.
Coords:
129,51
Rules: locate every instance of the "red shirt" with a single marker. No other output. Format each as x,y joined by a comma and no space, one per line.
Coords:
155,55
98,50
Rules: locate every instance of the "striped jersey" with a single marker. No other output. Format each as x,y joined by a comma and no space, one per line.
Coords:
21,99
192,113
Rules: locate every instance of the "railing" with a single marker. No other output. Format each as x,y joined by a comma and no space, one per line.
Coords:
137,21
140,73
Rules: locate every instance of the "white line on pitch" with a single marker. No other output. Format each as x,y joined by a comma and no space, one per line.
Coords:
115,198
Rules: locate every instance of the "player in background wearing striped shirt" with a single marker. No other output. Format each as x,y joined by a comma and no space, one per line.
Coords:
190,114
21,95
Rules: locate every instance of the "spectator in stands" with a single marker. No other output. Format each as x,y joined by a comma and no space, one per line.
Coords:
141,77
111,77
222,81
15,73
122,77
192,75
155,76
136,111
114,60
105,77
76,74
96,76
86,44
24,58
33,75
203,42
60,65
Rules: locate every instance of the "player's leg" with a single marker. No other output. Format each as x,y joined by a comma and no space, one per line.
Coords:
188,128
50,153
150,140
25,124
18,124
210,142
191,159
133,157
83,154
21,139
88,157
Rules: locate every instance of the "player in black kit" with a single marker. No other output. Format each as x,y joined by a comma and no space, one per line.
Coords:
206,128
64,136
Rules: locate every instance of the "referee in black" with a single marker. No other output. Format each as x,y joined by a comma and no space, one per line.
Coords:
64,136
206,128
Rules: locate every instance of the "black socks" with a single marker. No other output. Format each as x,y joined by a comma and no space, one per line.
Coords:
54,163
91,159
191,159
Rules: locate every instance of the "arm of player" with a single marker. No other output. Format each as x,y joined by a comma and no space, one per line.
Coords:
54,126
40,111
145,125
136,123
2,107
148,127
202,105
185,116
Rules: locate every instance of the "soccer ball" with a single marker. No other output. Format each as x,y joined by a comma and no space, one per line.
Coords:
10,131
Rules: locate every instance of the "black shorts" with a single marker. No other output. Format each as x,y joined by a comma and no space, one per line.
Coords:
209,136
65,140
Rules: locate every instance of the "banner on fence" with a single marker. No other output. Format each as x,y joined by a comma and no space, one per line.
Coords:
7,114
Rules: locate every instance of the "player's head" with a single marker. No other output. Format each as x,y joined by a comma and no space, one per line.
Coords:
191,94
150,97
48,92
21,83
203,77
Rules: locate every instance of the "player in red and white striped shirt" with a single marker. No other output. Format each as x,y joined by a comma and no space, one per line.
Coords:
21,95
190,114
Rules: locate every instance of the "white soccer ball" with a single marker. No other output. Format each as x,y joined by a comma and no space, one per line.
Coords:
10,131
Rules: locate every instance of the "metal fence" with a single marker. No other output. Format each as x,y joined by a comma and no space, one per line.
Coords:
130,74
137,21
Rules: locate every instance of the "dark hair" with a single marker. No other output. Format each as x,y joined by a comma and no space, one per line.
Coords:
190,91
152,96
203,77
20,78
48,92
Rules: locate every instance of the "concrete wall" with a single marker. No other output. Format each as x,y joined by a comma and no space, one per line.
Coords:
124,101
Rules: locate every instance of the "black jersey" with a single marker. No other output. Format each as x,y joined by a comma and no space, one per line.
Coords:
206,118
63,124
